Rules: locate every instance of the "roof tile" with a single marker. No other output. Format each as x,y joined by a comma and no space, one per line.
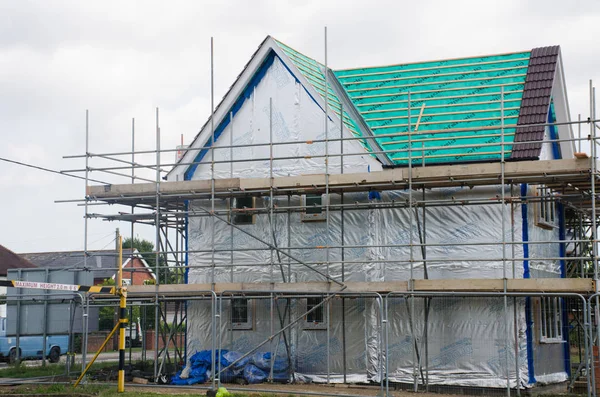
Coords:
535,103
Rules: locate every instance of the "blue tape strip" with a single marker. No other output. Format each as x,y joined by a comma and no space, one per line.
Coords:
525,232
187,270
563,274
526,274
553,133
246,94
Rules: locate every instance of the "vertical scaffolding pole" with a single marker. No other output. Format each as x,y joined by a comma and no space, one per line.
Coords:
85,227
594,221
593,184
212,202
504,274
327,229
231,199
157,248
411,250
132,222
272,297
342,242
579,131
212,160
514,275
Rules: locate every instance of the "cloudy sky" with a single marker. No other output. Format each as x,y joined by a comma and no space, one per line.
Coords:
123,59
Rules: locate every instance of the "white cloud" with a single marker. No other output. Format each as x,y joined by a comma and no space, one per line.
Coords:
122,59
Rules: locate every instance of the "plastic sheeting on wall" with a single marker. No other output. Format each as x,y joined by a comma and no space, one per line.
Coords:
466,338
467,335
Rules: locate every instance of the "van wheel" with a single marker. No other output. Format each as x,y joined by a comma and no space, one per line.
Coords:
54,355
12,356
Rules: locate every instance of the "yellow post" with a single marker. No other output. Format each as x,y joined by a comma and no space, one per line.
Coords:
122,292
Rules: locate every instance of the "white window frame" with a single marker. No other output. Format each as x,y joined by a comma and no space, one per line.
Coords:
126,282
546,215
550,319
321,325
249,323
309,216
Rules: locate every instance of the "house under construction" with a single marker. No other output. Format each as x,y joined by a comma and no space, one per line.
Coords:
423,224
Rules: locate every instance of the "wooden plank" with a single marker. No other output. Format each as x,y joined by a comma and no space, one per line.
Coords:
513,285
387,179
485,285
142,189
558,285
581,155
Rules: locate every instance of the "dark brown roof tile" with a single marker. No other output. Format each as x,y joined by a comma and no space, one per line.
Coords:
535,102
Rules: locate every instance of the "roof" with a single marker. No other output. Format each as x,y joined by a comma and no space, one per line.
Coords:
102,263
536,101
446,97
457,113
456,107
10,260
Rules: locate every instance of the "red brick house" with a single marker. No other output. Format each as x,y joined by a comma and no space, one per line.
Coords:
102,263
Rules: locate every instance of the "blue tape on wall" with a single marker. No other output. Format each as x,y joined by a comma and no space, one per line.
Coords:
553,133
187,270
526,274
248,90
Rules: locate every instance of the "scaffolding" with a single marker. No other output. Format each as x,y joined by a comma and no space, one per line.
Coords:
164,205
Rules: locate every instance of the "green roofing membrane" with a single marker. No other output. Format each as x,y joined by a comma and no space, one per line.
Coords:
455,106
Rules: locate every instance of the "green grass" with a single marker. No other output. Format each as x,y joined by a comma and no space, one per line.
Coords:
23,371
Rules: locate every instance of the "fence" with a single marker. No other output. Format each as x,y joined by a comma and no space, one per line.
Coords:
457,343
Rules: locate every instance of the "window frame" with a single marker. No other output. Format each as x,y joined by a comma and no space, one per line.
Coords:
550,329
315,325
546,211
249,323
320,214
233,205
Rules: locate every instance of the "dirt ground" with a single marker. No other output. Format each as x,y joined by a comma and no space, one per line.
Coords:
249,390
316,390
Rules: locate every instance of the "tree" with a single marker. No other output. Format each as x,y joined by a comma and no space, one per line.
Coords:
106,315
167,275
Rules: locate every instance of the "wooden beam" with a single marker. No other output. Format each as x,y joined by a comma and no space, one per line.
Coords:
459,174
558,285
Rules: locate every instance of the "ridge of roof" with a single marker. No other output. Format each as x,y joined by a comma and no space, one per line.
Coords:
431,60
